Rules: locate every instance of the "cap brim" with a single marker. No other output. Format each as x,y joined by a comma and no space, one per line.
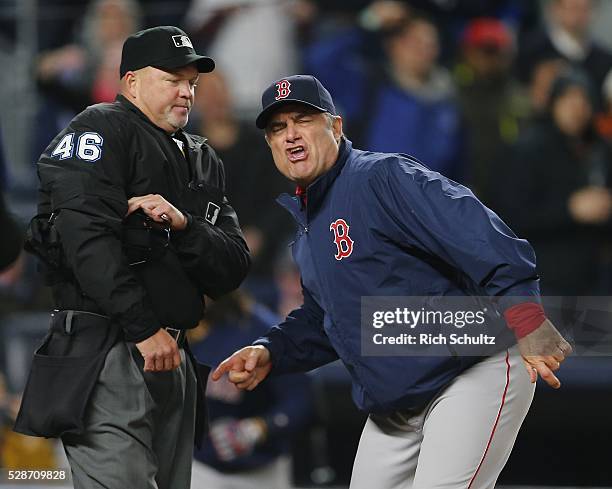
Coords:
262,119
203,63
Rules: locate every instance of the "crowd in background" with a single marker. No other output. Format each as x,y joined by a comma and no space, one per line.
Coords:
511,97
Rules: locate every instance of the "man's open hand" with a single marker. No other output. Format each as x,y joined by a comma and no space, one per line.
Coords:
543,350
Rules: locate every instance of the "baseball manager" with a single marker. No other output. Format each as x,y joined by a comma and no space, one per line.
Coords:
376,224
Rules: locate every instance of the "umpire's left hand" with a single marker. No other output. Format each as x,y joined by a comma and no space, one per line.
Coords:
158,209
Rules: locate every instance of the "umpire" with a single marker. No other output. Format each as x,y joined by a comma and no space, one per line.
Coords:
133,229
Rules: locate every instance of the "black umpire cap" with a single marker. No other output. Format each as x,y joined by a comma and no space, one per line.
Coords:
164,46
303,89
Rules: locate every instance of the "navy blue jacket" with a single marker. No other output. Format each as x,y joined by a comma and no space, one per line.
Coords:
415,233
284,402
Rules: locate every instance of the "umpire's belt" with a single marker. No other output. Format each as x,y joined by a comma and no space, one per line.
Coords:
77,333
70,321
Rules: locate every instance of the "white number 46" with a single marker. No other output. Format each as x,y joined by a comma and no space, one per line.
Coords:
88,147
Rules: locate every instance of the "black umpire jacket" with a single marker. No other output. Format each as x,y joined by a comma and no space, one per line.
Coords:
108,154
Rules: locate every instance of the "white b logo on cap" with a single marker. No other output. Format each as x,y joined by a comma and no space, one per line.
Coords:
283,89
182,41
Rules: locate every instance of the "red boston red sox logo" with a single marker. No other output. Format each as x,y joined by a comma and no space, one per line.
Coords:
344,243
283,88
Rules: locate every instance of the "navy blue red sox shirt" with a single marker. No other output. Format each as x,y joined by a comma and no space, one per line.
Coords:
384,225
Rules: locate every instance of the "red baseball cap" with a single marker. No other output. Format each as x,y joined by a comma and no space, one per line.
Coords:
487,32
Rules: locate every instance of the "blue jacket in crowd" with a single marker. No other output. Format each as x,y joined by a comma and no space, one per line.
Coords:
414,233
382,116
283,402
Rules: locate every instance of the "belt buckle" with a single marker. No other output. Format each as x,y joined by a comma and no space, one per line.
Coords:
177,334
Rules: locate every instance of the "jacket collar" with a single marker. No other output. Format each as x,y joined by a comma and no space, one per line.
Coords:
124,102
317,190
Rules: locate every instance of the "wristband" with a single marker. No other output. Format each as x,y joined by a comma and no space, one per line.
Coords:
524,318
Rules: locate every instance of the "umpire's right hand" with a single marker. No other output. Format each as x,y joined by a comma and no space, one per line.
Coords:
160,352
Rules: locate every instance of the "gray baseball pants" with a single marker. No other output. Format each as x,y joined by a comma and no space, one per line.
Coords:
462,440
139,427
275,475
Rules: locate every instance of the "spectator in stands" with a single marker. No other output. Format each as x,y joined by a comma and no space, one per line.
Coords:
404,105
252,182
603,121
250,432
3,167
252,41
491,100
86,71
566,35
288,284
543,75
10,271
559,191
10,244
